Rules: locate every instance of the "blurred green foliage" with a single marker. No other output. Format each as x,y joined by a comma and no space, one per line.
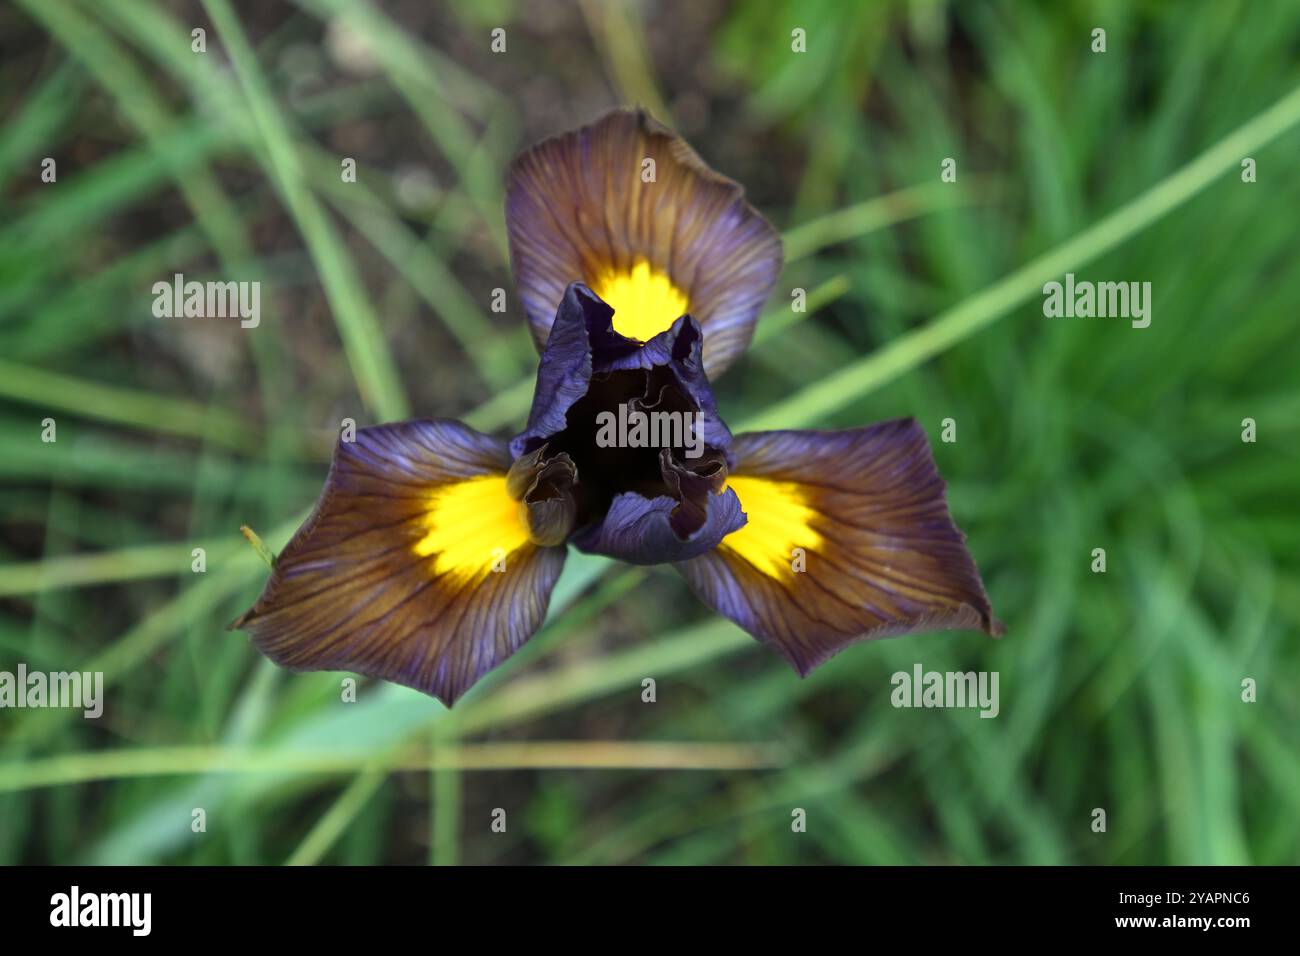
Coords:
1119,690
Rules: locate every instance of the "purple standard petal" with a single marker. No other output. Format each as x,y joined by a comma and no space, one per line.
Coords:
638,427
424,562
564,372
849,538
583,345
692,519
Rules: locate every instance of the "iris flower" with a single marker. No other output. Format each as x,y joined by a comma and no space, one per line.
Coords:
433,550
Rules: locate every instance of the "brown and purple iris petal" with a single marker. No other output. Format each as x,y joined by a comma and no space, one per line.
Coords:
628,208
427,561
849,538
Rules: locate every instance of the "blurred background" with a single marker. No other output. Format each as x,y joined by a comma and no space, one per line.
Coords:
1120,691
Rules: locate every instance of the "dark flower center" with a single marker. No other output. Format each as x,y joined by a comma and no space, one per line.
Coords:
687,474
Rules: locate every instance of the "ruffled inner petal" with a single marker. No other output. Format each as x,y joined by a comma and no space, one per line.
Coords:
626,418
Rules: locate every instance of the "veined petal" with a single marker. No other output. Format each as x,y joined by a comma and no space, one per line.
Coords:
848,538
417,564
655,241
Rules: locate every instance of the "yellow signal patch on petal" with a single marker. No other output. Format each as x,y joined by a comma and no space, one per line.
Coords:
779,520
392,574
471,525
644,300
577,207
889,559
